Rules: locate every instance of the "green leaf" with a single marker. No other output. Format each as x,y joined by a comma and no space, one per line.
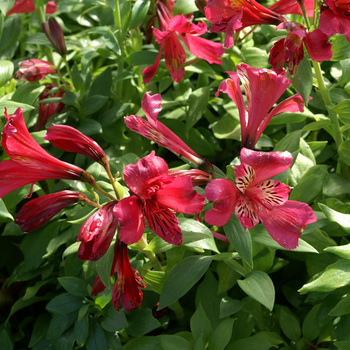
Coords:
197,104
12,106
342,308
229,306
258,285
227,128
78,81
290,142
64,304
93,104
5,216
139,12
103,266
114,320
344,152
343,110
141,322
59,324
332,215
174,342
200,324
340,47
6,6
81,330
184,6
6,71
182,278
28,93
5,341
336,185
112,42
259,341
335,276
241,240
289,324
154,280
343,251
74,286
302,80
221,335
97,339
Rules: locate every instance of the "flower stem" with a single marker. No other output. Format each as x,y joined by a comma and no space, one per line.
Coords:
142,243
111,179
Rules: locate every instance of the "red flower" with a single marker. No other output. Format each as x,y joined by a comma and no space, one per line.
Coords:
335,17
231,15
290,50
157,197
25,6
30,162
170,30
70,139
156,131
263,87
292,7
127,284
34,70
54,33
48,110
255,199
97,232
37,212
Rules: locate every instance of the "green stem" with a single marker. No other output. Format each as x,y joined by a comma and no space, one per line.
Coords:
142,243
111,179
96,186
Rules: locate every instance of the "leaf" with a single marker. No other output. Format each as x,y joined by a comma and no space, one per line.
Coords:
200,324
335,276
114,320
182,278
344,152
340,47
302,80
141,322
5,216
81,330
241,240
184,6
343,251
97,339
74,286
6,6
5,341
6,71
258,285
229,306
139,12
259,341
174,342
93,104
221,335
343,110
289,324
104,265
28,93
197,104
12,107
332,215
64,304
342,308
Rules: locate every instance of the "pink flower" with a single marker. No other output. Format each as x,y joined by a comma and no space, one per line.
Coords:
232,15
54,33
335,17
170,30
263,87
97,232
289,7
156,197
290,50
37,212
127,284
156,131
25,6
70,139
254,198
48,110
30,162
34,70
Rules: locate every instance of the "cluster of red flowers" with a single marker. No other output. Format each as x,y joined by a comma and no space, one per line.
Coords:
157,193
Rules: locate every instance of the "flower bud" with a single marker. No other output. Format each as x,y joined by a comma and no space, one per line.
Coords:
54,33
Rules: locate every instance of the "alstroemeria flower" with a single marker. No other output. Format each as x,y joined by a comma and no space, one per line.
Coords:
167,36
54,33
48,110
231,15
25,6
37,212
70,139
30,162
292,7
156,131
127,284
335,17
290,50
97,232
34,70
263,87
157,196
254,198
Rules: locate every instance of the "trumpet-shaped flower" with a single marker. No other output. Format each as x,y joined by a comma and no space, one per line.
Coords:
156,131
290,50
167,36
70,139
335,17
34,70
48,110
30,162
157,197
254,198
37,212
25,6
289,7
232,15
97,232
127,284
263,87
